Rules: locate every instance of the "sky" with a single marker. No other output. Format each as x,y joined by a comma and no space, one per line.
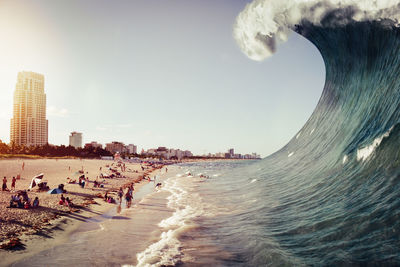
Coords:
156,73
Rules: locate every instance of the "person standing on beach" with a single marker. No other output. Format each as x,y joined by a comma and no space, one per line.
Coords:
4,188
120,194
23,165
13,183
128,197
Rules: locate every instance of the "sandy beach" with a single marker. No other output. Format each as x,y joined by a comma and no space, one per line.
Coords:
50,220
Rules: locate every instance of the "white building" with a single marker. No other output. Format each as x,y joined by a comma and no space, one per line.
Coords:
75,140
29,126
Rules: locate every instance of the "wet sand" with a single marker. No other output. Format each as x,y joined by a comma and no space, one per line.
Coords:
52,224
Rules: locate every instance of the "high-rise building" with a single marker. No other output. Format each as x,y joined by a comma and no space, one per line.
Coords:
29,126
75,140
132,149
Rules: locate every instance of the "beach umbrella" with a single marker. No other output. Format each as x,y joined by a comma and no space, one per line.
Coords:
39,176
36,180
55,191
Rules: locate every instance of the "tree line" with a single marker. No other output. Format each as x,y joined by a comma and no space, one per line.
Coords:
53,151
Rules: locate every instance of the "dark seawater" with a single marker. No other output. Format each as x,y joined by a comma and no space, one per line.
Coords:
331,196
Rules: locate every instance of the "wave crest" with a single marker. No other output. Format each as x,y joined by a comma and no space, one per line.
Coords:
265,23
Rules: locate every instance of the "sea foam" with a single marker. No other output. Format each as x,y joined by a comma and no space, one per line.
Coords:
365,152
265,23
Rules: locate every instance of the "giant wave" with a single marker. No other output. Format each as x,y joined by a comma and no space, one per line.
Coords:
333,197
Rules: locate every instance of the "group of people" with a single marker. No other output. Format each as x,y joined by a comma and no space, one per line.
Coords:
65,201
22,201
108,198
4,187
96,183
82,181
128,195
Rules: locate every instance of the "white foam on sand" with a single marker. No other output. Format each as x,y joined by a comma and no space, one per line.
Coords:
298,135
253,181
167,251
290,154
365,152
312,131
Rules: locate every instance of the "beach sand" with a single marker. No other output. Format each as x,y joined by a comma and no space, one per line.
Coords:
51,223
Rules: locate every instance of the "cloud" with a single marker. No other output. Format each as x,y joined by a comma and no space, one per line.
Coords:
57,112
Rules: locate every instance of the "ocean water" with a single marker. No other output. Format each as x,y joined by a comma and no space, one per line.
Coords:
330,197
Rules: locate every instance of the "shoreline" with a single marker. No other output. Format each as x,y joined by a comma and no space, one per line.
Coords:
61,223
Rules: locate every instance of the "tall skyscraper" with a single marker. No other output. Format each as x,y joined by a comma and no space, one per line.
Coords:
29,126
75,139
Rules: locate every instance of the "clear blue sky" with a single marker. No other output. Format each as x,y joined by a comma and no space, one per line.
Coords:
156,73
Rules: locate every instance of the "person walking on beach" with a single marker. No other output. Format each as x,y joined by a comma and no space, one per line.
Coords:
120,194
23,165
13,183
128,197
4,188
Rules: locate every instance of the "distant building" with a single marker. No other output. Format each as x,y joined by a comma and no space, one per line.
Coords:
75,140
94,145
187,154
231,152
131,149
163,152
115,147
29,126
220,155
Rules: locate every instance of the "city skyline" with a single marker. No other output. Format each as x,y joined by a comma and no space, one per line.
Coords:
173,80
